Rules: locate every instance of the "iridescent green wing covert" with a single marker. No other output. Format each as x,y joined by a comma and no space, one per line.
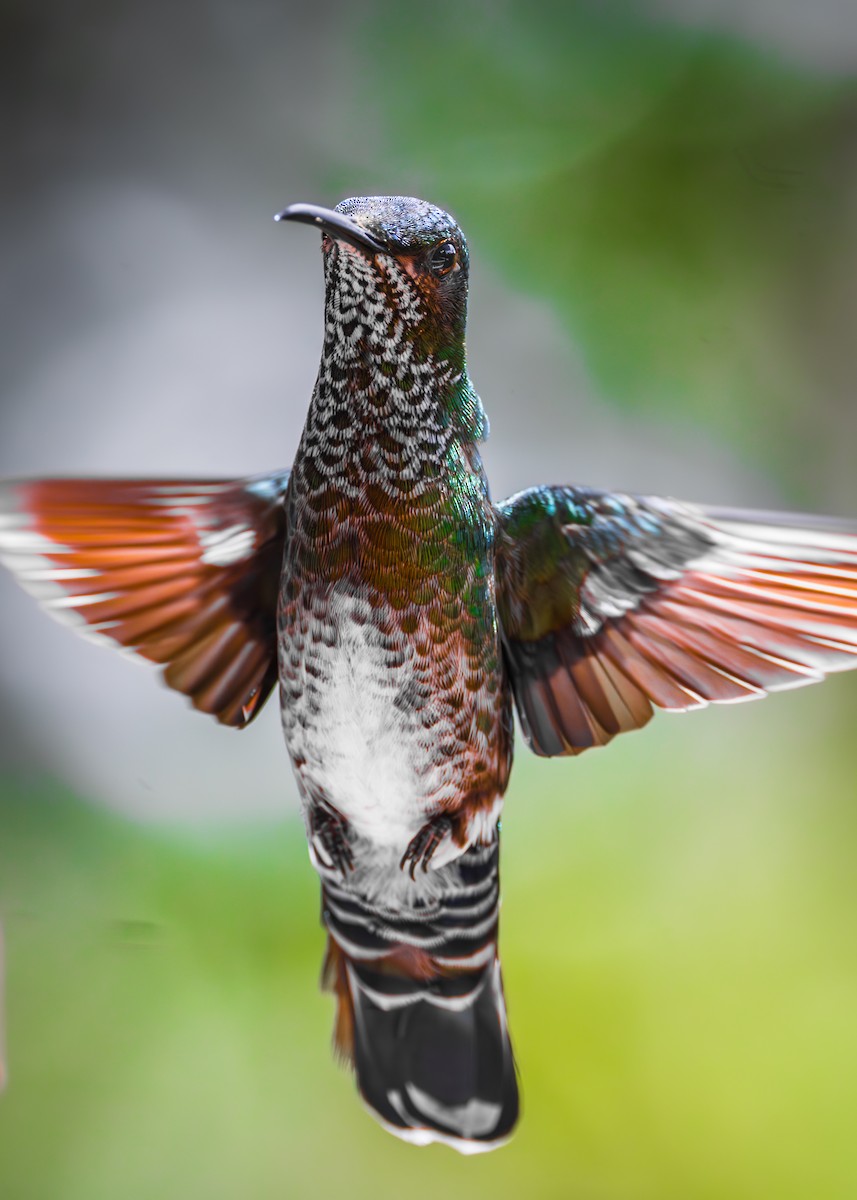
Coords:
612,605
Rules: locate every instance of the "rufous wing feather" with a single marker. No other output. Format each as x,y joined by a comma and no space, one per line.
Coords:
182,573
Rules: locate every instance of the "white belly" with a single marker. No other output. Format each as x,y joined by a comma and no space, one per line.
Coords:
374,760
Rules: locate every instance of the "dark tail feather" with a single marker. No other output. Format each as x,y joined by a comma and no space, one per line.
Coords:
427,1034
432,1065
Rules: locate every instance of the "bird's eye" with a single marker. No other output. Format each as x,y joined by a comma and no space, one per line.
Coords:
443,258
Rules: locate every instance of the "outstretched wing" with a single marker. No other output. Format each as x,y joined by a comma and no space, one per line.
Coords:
611,605
183,573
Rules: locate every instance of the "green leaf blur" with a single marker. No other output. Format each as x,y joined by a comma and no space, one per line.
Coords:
681,197
680,963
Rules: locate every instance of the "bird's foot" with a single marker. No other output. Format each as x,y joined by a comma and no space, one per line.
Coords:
329,833
423,847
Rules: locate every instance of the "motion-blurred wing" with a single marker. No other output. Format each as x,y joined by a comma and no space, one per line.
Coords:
613,604
184,574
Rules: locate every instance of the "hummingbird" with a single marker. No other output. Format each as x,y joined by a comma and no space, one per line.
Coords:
405,617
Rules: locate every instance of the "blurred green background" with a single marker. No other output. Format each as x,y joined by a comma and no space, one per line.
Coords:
660,204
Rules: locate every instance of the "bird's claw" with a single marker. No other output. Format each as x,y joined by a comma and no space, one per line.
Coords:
330,831
421,848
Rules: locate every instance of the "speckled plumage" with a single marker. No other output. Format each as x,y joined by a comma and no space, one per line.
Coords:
395,705
391,677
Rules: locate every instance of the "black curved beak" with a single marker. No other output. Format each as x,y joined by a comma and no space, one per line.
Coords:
333,223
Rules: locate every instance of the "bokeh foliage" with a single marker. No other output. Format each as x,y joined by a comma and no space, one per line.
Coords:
680,963
682,198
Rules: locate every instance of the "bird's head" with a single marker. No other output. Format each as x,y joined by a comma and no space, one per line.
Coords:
396,271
